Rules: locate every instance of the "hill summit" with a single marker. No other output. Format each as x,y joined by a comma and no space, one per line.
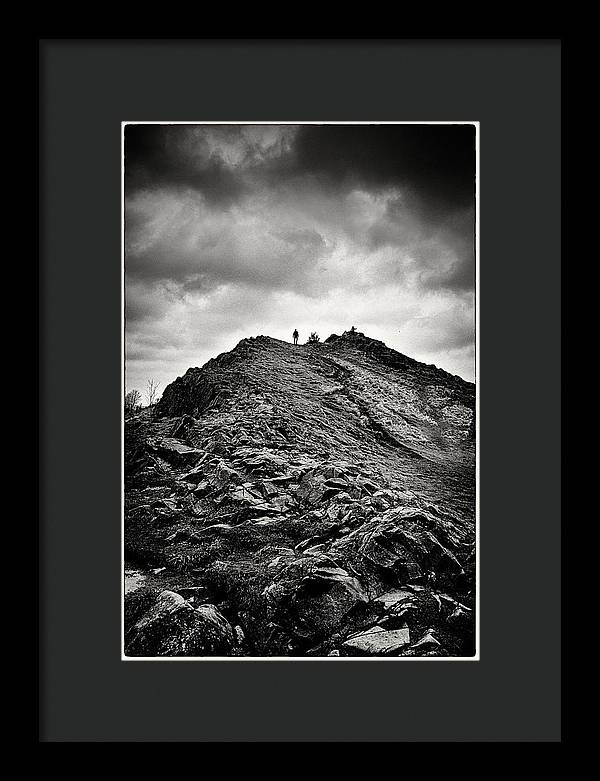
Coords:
303,500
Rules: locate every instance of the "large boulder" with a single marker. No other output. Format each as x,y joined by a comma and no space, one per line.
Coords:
323,601
174,627
402,542
225,476
312,597
428,642
312,489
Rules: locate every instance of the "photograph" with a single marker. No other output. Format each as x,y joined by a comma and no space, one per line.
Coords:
300,395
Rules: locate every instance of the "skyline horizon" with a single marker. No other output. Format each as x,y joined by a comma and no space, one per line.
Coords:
141,387
232,230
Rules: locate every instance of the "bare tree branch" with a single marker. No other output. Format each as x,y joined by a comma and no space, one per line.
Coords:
151,391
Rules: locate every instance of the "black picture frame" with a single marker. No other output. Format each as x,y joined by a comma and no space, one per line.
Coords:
87,89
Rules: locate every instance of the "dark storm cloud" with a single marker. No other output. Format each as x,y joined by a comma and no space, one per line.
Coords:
157,156
431,167
434,162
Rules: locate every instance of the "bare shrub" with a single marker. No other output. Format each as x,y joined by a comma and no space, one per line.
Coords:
133,401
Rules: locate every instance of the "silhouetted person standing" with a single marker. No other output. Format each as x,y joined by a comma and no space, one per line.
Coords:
295,335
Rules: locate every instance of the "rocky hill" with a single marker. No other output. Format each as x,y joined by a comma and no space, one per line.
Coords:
314,500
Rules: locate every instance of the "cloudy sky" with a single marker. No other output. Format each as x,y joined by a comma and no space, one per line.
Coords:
240,230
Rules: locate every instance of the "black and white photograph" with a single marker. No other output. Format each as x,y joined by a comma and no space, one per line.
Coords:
300,391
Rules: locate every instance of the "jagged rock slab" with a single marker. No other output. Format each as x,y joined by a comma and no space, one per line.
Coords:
378,641
392,598
177,452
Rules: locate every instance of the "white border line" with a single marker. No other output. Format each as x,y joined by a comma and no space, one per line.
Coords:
477,656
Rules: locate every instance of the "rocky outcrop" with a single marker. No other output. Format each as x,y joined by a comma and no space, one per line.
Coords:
174,627
320,499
